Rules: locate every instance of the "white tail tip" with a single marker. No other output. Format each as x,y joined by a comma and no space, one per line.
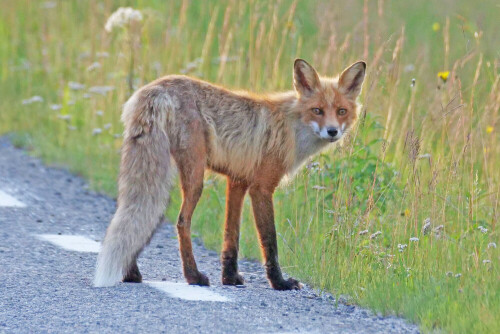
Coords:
104,278
108,272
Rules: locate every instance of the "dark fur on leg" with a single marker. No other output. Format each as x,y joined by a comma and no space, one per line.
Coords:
133,275
230,274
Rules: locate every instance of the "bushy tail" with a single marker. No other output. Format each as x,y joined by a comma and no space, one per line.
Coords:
143,186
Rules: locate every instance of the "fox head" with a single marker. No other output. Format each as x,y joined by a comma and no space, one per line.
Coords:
328,106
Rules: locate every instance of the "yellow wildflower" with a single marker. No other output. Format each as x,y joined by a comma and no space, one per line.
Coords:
407,212
436,26
489,129
444,75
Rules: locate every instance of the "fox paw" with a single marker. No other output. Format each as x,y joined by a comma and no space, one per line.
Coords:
236,279
133,275
199,279
289,284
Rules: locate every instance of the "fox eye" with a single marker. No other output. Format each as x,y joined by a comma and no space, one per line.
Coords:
317,111
342,112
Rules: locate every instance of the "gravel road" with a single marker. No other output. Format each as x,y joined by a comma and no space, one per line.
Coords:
45,288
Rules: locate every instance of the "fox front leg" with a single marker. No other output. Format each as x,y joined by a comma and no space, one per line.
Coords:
262,204
236,191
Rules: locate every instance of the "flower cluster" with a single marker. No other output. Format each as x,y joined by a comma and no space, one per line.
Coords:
33,99
121,17
427,226
482,229
363,232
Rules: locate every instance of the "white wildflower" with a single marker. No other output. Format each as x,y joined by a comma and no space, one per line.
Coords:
102,54
313,164
225,59
103,90
330,212
492,245
363,232
55,106
427,226
33,99
438,228
191,66
425,156
458,275
86,96
49,5
449,273
486,261
121,17
414,239
94,66
84,55
71,127
75,85
482,229
99,113
71,102
319,187
96,131
117,135
402,247
64,117
107,126
376,234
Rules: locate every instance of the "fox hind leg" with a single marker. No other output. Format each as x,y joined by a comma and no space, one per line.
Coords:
192,186
191,164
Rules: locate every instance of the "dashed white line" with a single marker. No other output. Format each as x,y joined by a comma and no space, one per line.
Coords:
75,243
184,291
7,200
188,292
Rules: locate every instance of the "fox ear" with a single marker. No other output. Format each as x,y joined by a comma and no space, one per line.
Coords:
305,78
351,80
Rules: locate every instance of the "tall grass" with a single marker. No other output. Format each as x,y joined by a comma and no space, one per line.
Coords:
401,218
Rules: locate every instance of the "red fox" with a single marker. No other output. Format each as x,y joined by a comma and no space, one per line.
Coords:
254,140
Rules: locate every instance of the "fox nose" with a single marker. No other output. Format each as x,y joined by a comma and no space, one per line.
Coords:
332,132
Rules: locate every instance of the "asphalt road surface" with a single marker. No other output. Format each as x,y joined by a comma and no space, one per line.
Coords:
50,228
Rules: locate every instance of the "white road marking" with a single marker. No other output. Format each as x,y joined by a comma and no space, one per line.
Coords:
184,291
188,292
7,200
75,243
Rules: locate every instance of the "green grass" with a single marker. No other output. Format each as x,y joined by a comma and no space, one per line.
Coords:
424,151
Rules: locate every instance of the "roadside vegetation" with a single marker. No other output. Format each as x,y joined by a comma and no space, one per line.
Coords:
402,218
